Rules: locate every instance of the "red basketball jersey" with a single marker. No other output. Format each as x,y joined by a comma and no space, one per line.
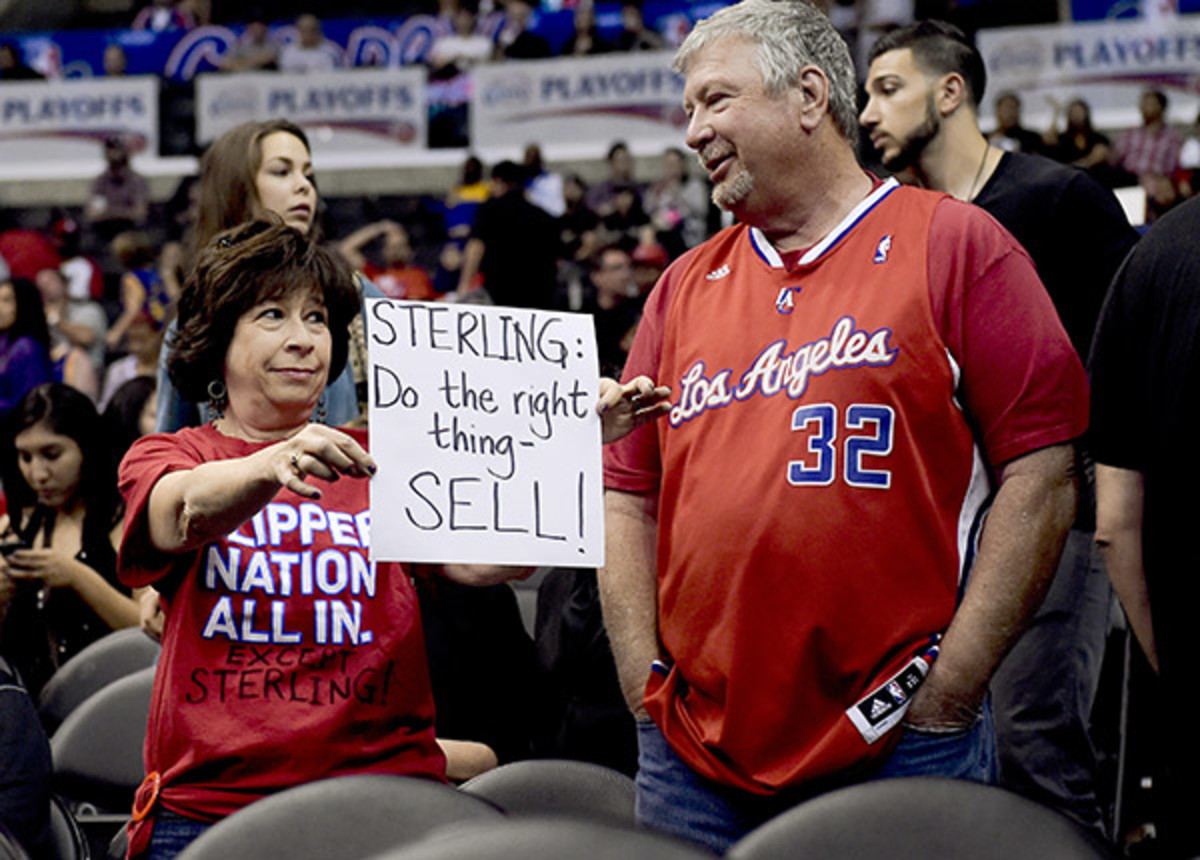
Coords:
820,484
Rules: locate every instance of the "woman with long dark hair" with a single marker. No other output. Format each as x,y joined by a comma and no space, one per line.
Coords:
24,340
58,573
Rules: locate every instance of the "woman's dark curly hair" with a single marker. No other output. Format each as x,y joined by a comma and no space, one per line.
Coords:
252,263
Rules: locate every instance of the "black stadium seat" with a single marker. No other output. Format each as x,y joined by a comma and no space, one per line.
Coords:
918,818
346,817
553,838
553,787
114,656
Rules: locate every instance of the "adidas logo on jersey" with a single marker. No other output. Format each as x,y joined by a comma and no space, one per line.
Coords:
879,707
882,249
785,302
717,274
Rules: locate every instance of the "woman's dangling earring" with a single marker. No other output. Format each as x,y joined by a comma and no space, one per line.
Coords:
321,415
217,398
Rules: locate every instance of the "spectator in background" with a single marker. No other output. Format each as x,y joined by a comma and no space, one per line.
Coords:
464,47
130,414
612,303
398,278
144,289
162,15
1010,135
465,198
71,366
310,51
1152,149
81,322
578,225
585,40
13,66
620,175
543,187
650,260
71,360
85,280
115,61
120,198
677,204
27,252
1189,160
1078,143
635,35
513,245
24,341
64,506
255,50
516,41
144,337
626,218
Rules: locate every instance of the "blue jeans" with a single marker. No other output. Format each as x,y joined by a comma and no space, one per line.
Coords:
674,799
172,833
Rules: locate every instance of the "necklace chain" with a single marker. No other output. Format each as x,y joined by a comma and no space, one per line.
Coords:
979,172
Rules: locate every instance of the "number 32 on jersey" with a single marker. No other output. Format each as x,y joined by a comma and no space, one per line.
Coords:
865,436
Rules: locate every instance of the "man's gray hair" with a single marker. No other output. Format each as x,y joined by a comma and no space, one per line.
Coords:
789,35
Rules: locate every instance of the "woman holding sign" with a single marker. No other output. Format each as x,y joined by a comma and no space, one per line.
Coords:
286,655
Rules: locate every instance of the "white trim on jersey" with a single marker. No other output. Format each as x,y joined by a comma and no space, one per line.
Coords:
976,501
767,251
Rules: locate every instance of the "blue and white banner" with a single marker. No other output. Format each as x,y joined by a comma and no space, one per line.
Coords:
342,111
1107,63
632,97
62,120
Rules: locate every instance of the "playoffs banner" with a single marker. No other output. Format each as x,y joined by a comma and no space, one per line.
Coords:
63,120
1107,63
484,426
633,97
351,110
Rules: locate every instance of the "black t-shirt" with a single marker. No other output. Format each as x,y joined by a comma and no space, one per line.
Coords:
1145,368
520,251
1072,227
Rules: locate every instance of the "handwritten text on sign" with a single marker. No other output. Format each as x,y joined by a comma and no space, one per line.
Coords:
483,423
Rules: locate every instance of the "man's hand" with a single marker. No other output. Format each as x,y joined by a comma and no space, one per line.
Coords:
624,407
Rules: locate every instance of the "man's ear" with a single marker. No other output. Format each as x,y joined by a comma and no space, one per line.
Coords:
950,93
812,97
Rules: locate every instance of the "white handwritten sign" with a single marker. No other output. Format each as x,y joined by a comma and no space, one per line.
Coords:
484,427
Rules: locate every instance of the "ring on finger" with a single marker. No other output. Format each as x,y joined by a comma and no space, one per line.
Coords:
296,462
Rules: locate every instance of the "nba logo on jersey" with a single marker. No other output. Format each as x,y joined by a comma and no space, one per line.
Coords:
881,250
785,302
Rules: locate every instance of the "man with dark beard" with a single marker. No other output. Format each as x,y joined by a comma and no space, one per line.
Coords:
924,87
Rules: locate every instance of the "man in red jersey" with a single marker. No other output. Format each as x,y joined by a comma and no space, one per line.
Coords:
802,589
